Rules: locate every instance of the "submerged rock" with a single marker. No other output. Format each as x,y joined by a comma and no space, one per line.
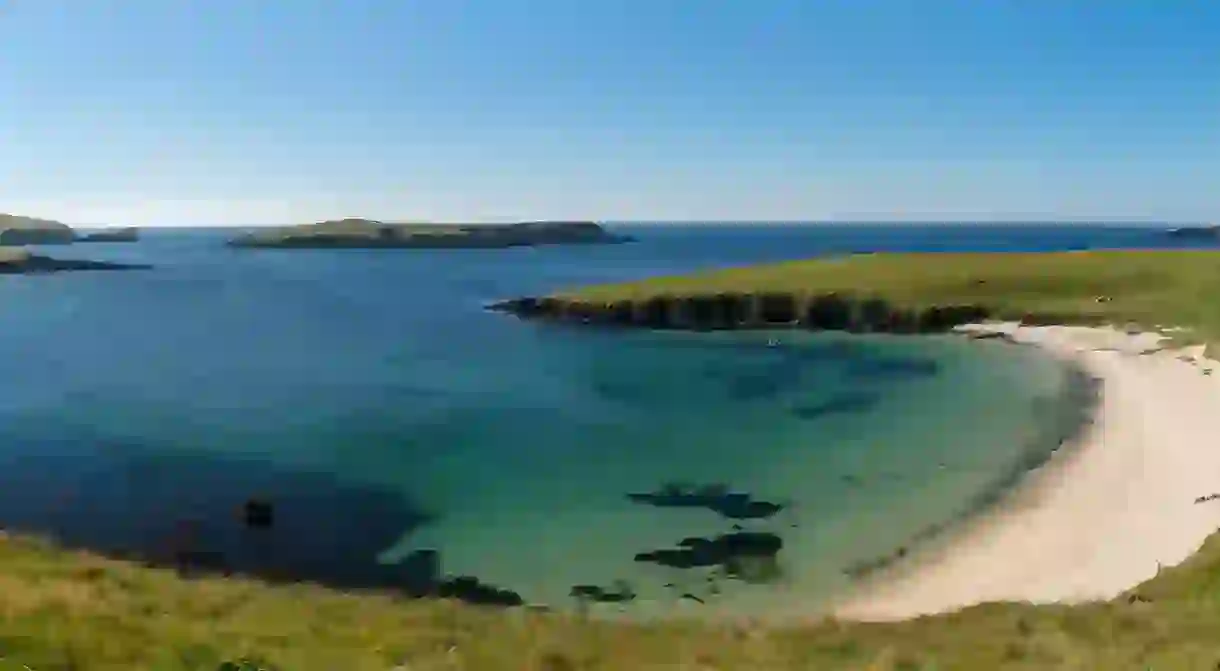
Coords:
258,514
619,592
746,555
715,497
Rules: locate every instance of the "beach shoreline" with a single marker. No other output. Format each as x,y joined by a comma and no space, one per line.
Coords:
1108,510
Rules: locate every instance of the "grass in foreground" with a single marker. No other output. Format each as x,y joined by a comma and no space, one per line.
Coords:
61,609
65,610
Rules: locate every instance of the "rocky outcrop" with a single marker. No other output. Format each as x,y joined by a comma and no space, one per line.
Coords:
828,312
125,234
371,234
21,262
15,230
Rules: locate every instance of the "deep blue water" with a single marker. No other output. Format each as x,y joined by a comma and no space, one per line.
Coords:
370,397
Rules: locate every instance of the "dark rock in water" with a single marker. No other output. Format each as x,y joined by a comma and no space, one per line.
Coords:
17,230
421,577
421,572
619,592
856,402
471,590
258,514
741,554
126,234
716,497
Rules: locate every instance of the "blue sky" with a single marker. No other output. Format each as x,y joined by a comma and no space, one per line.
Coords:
159,112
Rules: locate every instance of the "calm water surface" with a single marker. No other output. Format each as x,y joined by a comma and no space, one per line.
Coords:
371,398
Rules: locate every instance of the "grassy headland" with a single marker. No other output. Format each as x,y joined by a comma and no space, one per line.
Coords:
63,609
1146,288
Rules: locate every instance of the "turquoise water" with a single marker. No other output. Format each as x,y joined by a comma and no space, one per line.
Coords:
382,411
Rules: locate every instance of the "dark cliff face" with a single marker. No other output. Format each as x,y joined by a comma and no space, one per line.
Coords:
828,312
366,233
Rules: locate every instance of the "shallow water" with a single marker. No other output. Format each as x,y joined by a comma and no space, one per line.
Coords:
371,398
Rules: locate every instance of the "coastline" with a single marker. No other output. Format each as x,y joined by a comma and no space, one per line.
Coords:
1107,511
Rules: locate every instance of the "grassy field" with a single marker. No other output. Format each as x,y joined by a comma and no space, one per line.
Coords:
62,609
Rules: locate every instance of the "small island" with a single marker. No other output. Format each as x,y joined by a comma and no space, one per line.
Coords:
121,234
372,234
22,262
1211,232
17,230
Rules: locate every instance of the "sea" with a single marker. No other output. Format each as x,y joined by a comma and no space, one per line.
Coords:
399,429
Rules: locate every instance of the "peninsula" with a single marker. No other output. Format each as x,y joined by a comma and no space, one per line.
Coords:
18,230
22,262
371,234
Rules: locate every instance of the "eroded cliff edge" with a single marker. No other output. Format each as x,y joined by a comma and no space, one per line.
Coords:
902,293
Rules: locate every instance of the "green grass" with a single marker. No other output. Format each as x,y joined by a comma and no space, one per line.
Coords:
63,609
1146,288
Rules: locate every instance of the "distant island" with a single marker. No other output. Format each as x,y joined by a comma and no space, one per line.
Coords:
22,262
1211,232
371,234
124,234
16,230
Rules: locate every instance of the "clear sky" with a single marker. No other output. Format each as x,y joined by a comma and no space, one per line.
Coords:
176,112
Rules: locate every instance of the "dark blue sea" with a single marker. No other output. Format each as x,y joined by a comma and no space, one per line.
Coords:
383,412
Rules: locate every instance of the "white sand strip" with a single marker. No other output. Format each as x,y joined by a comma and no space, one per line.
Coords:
1102,515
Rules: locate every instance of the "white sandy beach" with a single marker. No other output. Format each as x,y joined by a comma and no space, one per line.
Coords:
1102,515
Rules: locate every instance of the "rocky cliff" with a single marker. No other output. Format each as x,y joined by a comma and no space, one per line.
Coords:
832,312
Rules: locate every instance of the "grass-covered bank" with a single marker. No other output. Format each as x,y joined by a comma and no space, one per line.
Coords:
64,610
915,292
